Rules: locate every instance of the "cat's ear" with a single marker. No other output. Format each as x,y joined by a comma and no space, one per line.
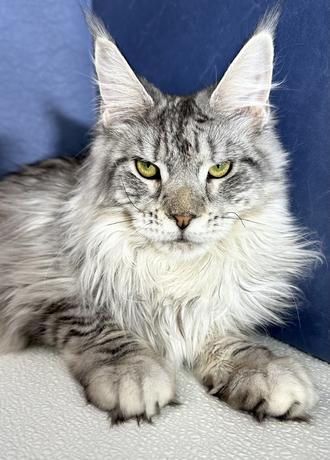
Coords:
246,85
122,94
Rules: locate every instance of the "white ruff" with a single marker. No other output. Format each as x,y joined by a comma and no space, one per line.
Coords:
176,302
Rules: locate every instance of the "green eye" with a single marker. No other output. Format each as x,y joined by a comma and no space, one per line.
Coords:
147,169
220,170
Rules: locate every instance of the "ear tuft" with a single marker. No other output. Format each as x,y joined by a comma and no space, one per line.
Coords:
97,27
247,83
269,21
122,94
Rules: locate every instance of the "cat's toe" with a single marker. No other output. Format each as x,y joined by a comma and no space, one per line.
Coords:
281,389
291,393
129,390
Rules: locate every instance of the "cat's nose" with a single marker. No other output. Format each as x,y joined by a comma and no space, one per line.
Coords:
182,221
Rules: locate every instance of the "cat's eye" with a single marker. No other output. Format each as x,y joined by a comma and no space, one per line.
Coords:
147,170
220,170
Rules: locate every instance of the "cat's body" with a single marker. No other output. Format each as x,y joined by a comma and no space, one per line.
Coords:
173,302
93,262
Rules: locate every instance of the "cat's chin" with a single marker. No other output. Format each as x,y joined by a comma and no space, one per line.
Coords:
181,248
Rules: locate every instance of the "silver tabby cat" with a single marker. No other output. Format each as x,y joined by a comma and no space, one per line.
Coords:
166,246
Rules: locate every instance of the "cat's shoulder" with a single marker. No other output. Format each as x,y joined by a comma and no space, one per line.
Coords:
55,171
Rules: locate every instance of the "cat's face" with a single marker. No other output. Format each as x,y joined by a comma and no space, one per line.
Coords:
186,169
183,177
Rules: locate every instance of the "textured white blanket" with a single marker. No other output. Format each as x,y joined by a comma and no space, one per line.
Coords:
43,416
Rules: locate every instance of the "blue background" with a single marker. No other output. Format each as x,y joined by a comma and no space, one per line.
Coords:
47,95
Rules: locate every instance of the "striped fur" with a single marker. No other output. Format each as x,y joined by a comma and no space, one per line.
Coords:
93,262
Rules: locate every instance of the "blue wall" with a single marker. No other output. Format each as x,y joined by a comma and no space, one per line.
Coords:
46,94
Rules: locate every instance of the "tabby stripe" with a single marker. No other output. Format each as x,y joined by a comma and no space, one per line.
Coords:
120,351
211,147
103,342
251,162
241,350
91,334
73,320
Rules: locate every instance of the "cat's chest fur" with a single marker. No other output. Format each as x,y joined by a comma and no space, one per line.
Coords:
176,302
171,303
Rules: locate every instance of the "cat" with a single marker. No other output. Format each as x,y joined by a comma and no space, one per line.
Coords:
167,245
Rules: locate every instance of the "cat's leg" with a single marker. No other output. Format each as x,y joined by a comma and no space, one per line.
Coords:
117,370
248,376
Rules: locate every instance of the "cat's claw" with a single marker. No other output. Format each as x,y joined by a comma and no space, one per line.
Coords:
282,389
133,389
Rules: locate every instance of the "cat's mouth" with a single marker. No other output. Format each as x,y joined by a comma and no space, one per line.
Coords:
182,239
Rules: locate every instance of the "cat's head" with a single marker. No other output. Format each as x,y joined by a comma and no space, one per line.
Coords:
186,170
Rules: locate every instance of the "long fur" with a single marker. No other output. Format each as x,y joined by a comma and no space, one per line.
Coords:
85,244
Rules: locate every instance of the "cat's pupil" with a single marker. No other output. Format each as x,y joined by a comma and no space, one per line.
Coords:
148,164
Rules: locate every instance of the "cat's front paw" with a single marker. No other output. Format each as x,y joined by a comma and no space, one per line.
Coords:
133,388
280,389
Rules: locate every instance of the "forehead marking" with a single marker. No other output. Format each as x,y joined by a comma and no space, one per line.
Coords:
175,121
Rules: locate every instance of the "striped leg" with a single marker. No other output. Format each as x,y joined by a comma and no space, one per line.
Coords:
248,376
118,371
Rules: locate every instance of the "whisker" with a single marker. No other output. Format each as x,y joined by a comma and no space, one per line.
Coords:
131,202
254,222
233,218
124,203
140,210
242,218
238,217
120,222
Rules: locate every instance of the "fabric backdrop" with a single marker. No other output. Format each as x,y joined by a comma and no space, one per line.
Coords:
47,95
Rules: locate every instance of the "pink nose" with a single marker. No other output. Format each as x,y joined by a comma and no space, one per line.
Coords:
183,221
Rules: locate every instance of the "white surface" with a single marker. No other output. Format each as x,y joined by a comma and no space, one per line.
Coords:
43,416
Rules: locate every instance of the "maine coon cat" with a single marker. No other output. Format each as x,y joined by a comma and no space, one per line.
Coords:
166,246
